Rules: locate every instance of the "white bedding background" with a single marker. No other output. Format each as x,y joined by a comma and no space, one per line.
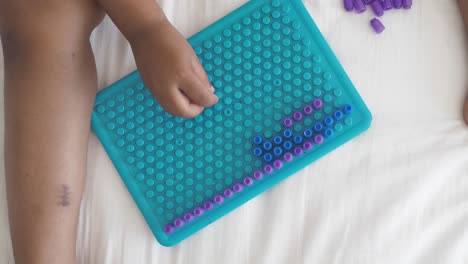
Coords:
396,194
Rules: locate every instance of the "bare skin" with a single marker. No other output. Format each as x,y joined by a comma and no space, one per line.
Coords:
50,86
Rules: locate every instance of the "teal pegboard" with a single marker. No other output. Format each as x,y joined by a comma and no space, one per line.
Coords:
285,101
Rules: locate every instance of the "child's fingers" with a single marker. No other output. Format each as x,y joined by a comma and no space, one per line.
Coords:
199,71
178,104
197,92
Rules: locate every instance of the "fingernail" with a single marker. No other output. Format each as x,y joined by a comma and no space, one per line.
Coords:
212,89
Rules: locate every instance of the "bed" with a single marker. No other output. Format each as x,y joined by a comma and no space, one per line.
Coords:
396,194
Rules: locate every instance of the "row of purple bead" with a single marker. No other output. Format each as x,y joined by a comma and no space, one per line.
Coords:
379,7
257,175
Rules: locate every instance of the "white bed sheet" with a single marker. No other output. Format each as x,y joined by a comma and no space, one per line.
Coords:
397,194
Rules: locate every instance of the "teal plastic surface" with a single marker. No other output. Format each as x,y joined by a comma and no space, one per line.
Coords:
268,62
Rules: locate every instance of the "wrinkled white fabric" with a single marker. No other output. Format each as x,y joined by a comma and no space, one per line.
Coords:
396,194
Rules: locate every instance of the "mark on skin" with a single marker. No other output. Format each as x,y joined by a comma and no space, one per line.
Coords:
64,196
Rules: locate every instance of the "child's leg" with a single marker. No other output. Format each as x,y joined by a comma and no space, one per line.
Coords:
50,85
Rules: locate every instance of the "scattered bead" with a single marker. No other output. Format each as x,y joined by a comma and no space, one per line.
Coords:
387,4
407,4
377,8
377,25
359,6
348,5
288,157
397,4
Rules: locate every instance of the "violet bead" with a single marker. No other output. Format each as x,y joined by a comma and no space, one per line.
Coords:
318,139
308,110
237,187
169,228
377,8
188,217
298,151
268,169
397,4
387,4
318,103
287,122
307,145
297,116
359,6
407,4
198,211
258,175
228,193
248,181
218,199
288,157
348,5
179,223
368,1
377,25
208,205
278,164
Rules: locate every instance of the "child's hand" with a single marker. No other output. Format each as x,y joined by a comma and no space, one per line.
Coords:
172,72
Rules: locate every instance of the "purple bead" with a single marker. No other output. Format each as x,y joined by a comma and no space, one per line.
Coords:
218,199
228,193
348,5
377,25
268,169
237,187
308,110
179,223
397,4
318,103
188,217
318,139
307,145
298,151
407,4
288,157
297,116
278,164
368,1
258,175
287,122
377,8
169,228
208,205
198,211
248,181
387,4
359,6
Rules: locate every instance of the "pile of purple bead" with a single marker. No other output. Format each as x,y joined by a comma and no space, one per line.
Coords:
379,7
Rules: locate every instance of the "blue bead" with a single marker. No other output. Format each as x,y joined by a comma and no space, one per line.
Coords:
297,139
287,133
348,109
267,145
258,140
258,152
278,140
328,133
318,127
338,115
278,151
308,133
287,145
268,157
328,121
